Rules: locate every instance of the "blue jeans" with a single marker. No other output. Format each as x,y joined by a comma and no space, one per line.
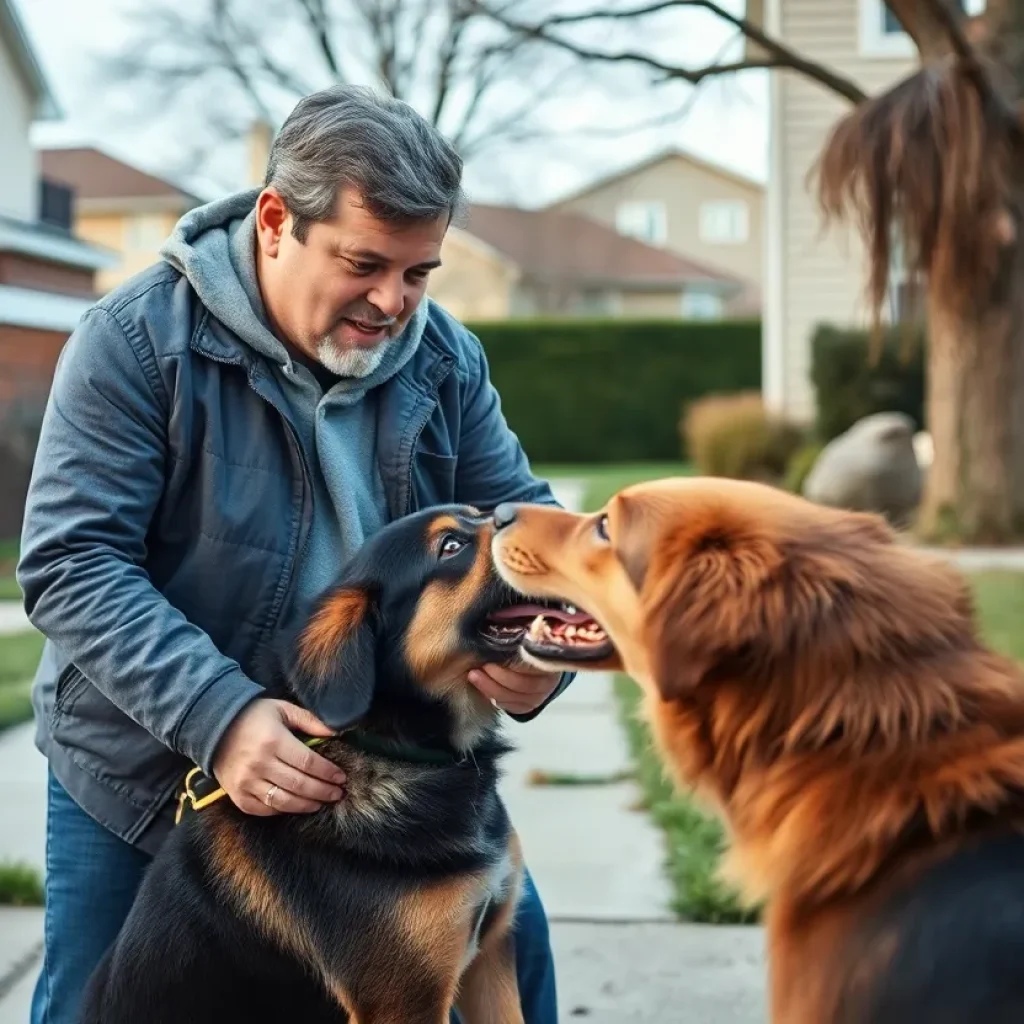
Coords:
91,881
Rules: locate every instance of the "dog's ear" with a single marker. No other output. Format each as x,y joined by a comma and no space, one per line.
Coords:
332,661
735,593
707,597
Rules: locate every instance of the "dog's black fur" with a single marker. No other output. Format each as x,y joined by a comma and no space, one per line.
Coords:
365,909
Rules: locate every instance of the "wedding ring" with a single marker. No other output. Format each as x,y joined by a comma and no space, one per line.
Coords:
269,798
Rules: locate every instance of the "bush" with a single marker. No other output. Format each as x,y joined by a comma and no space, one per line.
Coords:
851,384
735,436
610,390
800,465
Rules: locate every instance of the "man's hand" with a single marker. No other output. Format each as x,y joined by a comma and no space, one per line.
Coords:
517,691
266,770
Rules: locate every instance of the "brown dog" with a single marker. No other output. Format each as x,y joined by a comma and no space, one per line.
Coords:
825,688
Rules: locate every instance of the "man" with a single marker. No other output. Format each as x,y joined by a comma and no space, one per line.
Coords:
223,431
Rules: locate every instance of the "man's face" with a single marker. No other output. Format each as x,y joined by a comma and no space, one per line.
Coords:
341,295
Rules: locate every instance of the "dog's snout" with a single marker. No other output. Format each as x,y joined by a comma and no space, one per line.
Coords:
505,515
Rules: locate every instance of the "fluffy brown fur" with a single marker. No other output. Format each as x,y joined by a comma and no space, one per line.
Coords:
825,687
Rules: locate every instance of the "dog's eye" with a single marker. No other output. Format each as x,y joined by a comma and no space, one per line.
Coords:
451,545
601,527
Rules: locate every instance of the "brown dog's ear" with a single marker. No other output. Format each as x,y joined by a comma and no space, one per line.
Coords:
332,667
632,543
708,598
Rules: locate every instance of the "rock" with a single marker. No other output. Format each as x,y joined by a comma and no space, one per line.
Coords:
871,468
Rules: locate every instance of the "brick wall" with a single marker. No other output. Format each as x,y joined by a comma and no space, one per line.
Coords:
27,361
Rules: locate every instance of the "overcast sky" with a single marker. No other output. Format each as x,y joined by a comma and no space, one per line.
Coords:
726,123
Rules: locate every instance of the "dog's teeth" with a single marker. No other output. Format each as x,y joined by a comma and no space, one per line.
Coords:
537,628
570,631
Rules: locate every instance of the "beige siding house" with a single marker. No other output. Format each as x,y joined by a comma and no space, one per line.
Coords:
693,208
812,277
510,262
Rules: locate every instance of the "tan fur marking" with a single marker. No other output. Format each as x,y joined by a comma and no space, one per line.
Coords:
330,627
433,645
257,898
442,525
489,988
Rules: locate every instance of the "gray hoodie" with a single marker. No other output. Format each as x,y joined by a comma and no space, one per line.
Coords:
214,247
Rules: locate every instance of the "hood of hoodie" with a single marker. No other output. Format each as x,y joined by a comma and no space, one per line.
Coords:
213,246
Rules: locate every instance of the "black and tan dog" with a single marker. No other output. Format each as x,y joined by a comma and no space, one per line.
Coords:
396,904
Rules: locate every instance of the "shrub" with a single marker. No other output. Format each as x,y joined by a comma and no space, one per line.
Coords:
853,382
800,465
610,390
735,436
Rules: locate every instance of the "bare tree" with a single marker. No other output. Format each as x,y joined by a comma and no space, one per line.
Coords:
938,161
257,59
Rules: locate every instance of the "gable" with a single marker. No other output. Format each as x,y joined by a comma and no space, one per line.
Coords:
20,66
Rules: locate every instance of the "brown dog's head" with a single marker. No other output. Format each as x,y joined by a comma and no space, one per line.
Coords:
695,579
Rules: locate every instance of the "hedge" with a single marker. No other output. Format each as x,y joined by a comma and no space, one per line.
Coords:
613,390
853,381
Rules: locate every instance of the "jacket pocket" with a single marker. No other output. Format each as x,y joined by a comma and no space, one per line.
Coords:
68,689
433,479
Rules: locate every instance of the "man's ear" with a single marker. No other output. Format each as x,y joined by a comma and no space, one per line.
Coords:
332,662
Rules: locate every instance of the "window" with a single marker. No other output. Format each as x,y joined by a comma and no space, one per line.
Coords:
881,34
699,305
724,222
646,221
145,233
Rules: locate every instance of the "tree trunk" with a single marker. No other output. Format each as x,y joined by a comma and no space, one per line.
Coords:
975,410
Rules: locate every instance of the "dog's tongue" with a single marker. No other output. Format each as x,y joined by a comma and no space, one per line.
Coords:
531,611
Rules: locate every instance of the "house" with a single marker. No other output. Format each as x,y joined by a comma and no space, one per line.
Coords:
511,262
46,273
812,277
118,206
693,208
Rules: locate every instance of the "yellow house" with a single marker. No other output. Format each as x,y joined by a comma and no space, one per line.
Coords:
117,206
689,206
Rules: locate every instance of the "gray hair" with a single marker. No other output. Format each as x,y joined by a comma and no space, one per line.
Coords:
402,167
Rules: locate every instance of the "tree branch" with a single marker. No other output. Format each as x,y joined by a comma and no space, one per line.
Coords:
781,56
319,23
969,60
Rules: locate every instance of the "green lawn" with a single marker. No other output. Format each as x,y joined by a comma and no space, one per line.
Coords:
603,481
694,839
19,655
9,590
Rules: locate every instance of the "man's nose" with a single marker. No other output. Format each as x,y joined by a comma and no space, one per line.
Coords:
505,515
389,296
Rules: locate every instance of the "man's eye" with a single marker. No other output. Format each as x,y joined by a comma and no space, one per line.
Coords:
362,268
451,546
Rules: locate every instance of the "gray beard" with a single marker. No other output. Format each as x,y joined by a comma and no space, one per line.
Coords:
352,362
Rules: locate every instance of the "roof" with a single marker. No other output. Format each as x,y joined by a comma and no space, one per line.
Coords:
52,244
570,247
673,152
12,31
101,180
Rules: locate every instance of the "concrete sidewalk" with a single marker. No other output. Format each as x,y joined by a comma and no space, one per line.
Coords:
13,618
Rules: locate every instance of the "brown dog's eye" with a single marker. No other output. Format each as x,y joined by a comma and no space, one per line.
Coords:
451,545
601,527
